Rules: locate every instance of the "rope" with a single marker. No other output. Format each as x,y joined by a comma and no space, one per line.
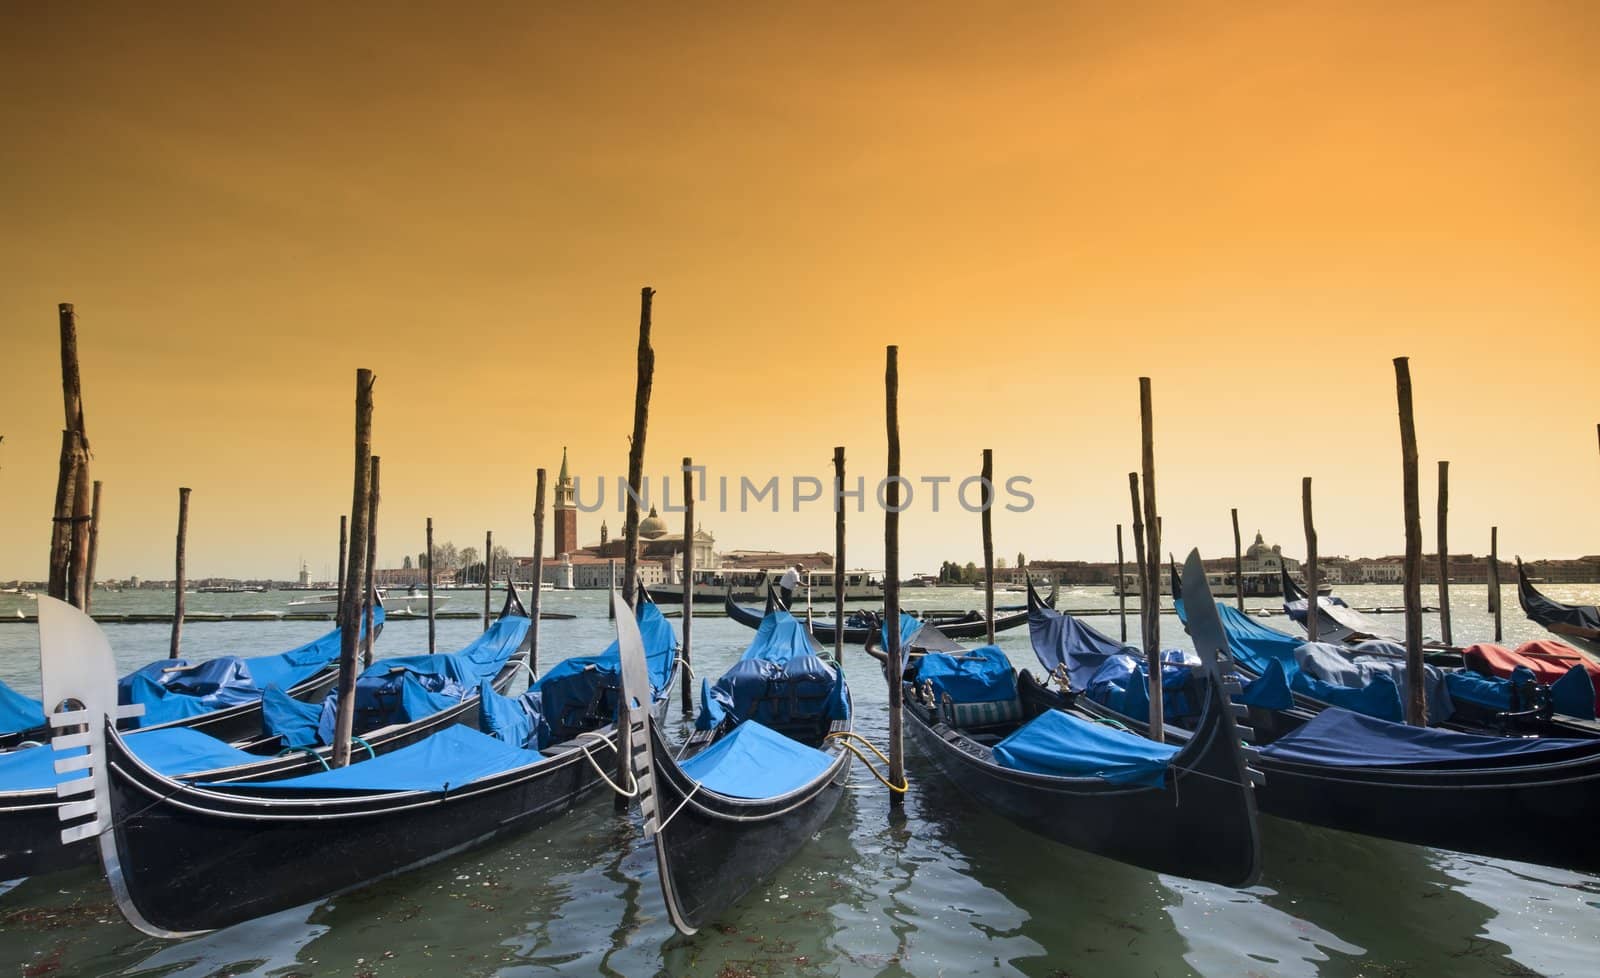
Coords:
304,750
662,827
370,752
686,667
632,792
845,738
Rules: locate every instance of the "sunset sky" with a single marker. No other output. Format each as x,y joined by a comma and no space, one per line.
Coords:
1258,205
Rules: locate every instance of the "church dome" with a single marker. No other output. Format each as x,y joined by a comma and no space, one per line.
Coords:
652,526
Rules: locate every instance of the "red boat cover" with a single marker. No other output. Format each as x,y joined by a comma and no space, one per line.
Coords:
1548,660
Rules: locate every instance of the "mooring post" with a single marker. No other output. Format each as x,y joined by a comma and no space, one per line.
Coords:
1148,591
641,420
1416,696
987,475
180,577
611,570
1152,527
893,671
1238,563
369,593
355,572
1494,578
431,638
1122,590
488,579
344,545
61,520
77,507
78,563
1444,554
94,549
537,596
838,555
1313,608
687,693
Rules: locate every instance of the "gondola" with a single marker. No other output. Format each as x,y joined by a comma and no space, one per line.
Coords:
1577,623
1336,621
971,625
1531,799
766,766
1019,749
30,821
183,858
228,709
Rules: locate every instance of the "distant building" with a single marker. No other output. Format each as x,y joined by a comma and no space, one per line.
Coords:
660,553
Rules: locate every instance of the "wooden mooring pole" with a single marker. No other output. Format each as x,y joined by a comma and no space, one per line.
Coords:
1238,563
344,556
1152,526
1445,631
61,519
355,572
180,576
988,543
369,592
687,691
641,421
94,549
891,578
838,554
488,579
1416,696
431,636
1494,578
1313,609
1122,591
536,598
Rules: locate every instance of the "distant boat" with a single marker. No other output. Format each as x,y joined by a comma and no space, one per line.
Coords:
413,602
232,589
1578,624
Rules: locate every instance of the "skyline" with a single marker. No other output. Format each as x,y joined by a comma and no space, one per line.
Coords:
1258,209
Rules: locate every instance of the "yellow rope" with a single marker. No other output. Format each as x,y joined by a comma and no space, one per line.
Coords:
846,736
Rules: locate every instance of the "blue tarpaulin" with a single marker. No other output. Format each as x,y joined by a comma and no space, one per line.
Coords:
1268,691
1253,644
1060,639
779,681
1341,738
753,761
293,722
981,675
1123,684
1379,698
910,625
453,757
173,752
517,720
1573,694
1059,744
580,688
18,712
1350,670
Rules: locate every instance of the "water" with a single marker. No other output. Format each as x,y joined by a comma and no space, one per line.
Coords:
949,890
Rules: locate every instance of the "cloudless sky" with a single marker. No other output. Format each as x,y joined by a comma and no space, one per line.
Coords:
1256,205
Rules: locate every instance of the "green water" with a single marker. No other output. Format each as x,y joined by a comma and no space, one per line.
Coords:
948,890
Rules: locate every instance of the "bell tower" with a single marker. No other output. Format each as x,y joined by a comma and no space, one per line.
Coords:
566,511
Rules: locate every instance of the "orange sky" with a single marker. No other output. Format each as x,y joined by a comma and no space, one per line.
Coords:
1258,205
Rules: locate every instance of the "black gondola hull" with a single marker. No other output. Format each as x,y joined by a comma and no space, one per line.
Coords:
30,826
713,849
1205,829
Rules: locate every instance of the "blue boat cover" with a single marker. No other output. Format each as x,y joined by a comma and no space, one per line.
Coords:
779,681
1066,746
1253,644
451,758
1340,738
753,761
18,712
1339,668
581,687
1060,639
295,723
1380,698
173,752
981,675
1123,684
910,625
517,720
1269,691
1573,694
175,689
